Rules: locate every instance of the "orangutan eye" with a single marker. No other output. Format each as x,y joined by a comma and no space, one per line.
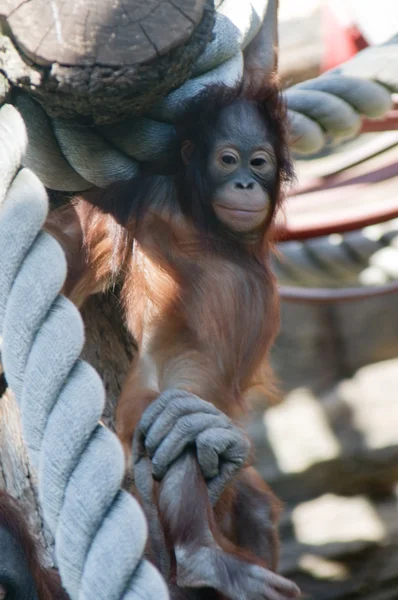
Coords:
261,162
229,159
258,162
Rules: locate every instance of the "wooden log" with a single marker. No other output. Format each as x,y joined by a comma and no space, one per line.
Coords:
99,60
83,32
108,348
17,476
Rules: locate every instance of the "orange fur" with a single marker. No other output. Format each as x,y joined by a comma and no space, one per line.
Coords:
204,320
202,305
204,324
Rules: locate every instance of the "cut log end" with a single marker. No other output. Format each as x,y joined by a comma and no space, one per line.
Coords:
89,59
91,32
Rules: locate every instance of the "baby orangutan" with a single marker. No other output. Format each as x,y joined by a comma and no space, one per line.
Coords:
202,304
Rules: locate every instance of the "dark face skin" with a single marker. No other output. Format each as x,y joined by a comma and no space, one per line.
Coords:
241,168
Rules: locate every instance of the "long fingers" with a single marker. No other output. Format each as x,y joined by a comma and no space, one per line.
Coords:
161,415
221,454
177,420
184,433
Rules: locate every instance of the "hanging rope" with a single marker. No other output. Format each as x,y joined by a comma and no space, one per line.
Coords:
357,264
71,157
330,106
100,531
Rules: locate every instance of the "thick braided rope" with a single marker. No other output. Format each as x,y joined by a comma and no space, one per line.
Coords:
99,530
361,258
329,107
67,156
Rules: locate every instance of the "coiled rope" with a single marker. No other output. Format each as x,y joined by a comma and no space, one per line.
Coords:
355,265
100,531
71,157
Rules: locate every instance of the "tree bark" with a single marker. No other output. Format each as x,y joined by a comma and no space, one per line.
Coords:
17,475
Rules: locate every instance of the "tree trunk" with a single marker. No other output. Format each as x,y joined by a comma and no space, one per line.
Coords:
17,476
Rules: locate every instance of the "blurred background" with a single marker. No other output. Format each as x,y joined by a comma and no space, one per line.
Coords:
330,449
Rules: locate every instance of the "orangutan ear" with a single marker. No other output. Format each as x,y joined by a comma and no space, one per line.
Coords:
187,149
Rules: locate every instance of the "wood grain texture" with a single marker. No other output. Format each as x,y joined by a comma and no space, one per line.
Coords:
109,347
17,475
87,32
102,61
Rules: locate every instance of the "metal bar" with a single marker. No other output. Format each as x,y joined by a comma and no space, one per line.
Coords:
329,295
288,234
388,123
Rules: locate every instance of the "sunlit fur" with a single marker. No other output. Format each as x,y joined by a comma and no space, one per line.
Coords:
200,300
197,123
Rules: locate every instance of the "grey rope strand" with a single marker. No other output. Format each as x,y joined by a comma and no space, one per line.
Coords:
100,531
328,108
